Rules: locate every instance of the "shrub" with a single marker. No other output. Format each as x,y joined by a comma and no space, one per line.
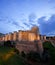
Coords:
16,50
23,54
33,56
7,43
51,51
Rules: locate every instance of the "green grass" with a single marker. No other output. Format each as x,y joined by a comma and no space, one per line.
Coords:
51,51
4,49
9,57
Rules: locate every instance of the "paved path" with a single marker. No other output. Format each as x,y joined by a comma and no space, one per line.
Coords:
53,42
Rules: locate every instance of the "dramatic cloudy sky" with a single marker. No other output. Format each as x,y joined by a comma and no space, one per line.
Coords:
23,14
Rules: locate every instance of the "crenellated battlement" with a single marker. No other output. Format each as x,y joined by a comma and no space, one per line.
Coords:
21,35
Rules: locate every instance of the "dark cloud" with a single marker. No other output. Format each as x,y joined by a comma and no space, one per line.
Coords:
15,23
26,24
7,24
32,17
47,26
5,19
33,20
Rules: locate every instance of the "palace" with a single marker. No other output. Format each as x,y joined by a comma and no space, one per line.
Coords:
29,40
28,35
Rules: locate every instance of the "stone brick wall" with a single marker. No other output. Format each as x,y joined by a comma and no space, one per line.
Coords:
28,35
30,46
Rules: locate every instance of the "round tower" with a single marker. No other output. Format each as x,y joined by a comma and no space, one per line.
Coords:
35,29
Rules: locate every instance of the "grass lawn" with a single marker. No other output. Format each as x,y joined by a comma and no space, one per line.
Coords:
9,57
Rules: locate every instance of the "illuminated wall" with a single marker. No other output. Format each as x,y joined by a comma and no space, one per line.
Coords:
15,36
3,38
10,36
20,36
31,36
6,37
44,37
37,36
23,35
0,38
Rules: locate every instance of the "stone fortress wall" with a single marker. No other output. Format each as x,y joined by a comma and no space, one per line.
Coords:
28,35
25,40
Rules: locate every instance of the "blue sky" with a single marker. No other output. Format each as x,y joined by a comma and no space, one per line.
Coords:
23,14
